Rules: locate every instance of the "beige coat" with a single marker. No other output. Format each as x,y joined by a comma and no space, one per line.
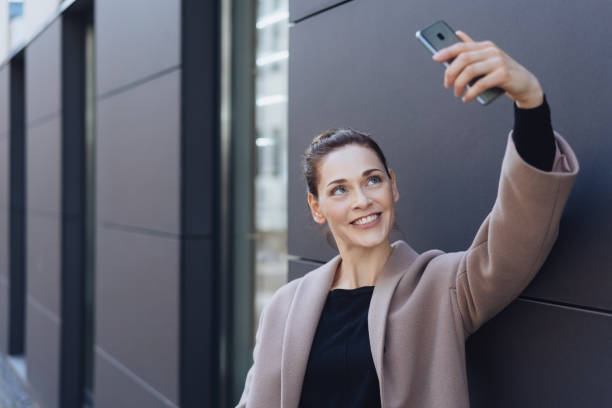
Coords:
424,306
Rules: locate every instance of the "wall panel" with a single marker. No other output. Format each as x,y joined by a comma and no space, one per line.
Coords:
135,40
359,65
4,313
138,186
4,172
42,348
43,213
300,9
4,207
539,355
298,268
43,176
4,101
137,305
43,239
15,203
43,56
138,141
121,388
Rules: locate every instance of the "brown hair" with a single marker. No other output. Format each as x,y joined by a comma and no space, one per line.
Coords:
324,143
330,140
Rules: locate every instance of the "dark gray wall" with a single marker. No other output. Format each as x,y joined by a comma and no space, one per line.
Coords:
138,203
4,206
54,181
204,277
358,64
74,273
16,203
157,137
43,212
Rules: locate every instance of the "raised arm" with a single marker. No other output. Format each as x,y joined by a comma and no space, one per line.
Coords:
533,135
517,235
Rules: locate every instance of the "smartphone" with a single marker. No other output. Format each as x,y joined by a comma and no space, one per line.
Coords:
439,35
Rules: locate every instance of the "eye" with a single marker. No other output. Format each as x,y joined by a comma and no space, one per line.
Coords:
376,178
337,189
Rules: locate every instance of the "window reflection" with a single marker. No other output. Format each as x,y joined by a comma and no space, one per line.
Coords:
271,150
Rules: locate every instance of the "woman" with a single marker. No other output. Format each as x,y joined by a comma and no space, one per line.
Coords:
380,324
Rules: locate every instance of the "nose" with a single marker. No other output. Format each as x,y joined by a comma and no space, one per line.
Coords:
361,199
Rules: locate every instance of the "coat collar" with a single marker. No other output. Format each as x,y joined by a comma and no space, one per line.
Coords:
306,308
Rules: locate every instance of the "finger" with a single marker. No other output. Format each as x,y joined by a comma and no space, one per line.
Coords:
464,60
464,37
453,50
495,78
472,71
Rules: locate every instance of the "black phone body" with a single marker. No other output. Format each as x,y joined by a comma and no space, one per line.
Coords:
440,35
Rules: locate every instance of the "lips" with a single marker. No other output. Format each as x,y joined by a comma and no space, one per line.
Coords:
364,216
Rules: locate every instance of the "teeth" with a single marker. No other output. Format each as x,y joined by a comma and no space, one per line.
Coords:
367,219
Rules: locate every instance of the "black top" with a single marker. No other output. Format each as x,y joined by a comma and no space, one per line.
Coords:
340,370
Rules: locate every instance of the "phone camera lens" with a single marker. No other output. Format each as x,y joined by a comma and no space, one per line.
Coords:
441,36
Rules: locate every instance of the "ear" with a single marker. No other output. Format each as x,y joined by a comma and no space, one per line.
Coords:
315,209
394,189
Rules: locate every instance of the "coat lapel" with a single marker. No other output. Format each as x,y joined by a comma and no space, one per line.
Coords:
302,322
400,259
305,312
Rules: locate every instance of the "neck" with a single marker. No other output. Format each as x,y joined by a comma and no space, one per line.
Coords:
361,266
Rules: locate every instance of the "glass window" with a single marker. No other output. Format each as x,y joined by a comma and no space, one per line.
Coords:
90,220
271,150
16,29
15,9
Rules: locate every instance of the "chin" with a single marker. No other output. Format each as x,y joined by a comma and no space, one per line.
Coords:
371,241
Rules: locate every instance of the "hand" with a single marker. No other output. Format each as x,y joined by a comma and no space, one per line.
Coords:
485,59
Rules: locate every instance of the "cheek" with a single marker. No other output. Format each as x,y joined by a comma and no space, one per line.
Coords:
385,197
336,211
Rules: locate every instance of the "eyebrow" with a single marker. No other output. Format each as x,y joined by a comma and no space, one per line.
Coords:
365,173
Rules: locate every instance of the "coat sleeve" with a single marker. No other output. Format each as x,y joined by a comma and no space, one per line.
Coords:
249,377
517,235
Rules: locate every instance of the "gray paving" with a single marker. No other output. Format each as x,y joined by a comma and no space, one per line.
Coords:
12,393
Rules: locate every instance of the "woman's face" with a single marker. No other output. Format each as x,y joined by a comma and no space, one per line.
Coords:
356,197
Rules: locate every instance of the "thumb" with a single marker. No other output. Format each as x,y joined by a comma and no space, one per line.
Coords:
464,37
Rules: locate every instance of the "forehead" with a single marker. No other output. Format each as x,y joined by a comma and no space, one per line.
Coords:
348,162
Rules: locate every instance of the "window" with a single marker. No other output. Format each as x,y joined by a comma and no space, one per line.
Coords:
271,150
15,9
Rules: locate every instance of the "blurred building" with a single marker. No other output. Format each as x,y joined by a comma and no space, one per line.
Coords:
151,195
143,196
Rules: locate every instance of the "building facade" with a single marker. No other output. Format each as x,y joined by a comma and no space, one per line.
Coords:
151,195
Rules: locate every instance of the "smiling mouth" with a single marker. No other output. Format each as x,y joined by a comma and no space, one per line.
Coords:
367,219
